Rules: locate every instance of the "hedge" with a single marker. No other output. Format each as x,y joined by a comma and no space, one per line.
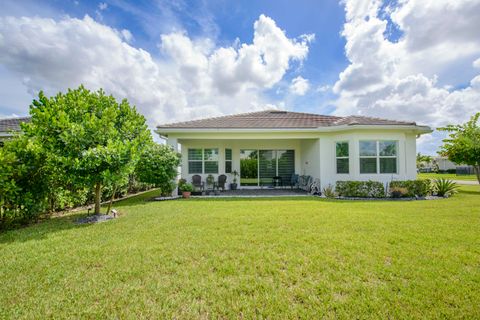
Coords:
419,188
360,189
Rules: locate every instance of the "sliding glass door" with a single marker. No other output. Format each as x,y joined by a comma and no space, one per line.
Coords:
258,167
249,167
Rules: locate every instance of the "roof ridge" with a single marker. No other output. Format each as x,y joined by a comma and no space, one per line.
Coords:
16,118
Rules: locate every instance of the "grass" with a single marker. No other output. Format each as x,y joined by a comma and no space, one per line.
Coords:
250,258
451,176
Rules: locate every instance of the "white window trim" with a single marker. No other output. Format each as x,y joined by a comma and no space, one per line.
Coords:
378,156
203,160
231,160
348,157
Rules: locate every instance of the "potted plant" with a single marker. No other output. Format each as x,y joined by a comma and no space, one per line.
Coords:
210,181
181,182
186,189
233,185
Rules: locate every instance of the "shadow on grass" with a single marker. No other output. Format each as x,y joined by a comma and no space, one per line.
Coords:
40,230
477,193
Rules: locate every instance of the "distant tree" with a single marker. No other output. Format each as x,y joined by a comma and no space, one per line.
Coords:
423,160
463,143
88,136
158,166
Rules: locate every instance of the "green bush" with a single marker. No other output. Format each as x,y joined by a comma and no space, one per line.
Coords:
158,166
419,188
360,189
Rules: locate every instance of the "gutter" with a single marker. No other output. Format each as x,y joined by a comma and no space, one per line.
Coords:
420,129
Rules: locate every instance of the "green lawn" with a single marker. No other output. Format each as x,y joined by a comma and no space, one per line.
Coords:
451,176
258,258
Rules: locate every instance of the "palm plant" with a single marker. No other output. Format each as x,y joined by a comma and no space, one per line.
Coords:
444,187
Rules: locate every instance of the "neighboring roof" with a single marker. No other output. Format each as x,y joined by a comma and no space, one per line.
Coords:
12,124
274,119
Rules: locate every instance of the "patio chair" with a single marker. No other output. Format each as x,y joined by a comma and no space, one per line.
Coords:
277,181
198,184
222,179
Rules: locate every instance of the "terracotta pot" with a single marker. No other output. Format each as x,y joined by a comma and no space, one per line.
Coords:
186,194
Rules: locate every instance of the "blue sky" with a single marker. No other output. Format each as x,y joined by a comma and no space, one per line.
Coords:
177,60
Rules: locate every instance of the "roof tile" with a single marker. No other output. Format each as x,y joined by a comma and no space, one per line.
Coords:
279,119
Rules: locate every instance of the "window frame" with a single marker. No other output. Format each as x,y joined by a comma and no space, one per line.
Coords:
229,160
377,156
203,160
343,157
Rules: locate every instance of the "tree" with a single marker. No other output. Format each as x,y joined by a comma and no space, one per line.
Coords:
158,166
422,160
463,143
88,136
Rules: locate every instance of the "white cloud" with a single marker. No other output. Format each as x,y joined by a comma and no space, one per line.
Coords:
299,86
193,79
102,6
411,78
476,63
324,88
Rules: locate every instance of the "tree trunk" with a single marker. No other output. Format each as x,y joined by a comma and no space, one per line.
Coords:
111,199
98,194
477,171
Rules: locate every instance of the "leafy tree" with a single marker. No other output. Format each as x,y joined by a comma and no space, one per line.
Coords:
88,137
158,166
422,160
463,143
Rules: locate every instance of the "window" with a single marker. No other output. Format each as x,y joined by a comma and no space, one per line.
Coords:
342,157
388,156
211,160
202,160
378,156
195,157
228,160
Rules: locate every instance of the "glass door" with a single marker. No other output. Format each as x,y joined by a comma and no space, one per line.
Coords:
267,167
249,167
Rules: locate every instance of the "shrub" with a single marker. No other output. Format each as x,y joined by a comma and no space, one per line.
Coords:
329,191
419,188
158,166
398,192
186,187
361,189
444,187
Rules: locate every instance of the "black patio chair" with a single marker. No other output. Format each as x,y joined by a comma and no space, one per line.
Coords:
198,184
222,179
277,181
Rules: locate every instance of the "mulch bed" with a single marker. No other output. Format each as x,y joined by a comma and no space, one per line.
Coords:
96,218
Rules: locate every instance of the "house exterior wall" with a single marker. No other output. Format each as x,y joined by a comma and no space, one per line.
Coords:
314,152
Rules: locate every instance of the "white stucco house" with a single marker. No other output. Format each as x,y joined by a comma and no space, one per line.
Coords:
266,144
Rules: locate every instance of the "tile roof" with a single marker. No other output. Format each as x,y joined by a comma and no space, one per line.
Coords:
274,119
12,124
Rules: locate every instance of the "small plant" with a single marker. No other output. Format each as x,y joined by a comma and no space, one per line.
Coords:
186,187
329,192
210,180
181,182
398,192
444,187
235,175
